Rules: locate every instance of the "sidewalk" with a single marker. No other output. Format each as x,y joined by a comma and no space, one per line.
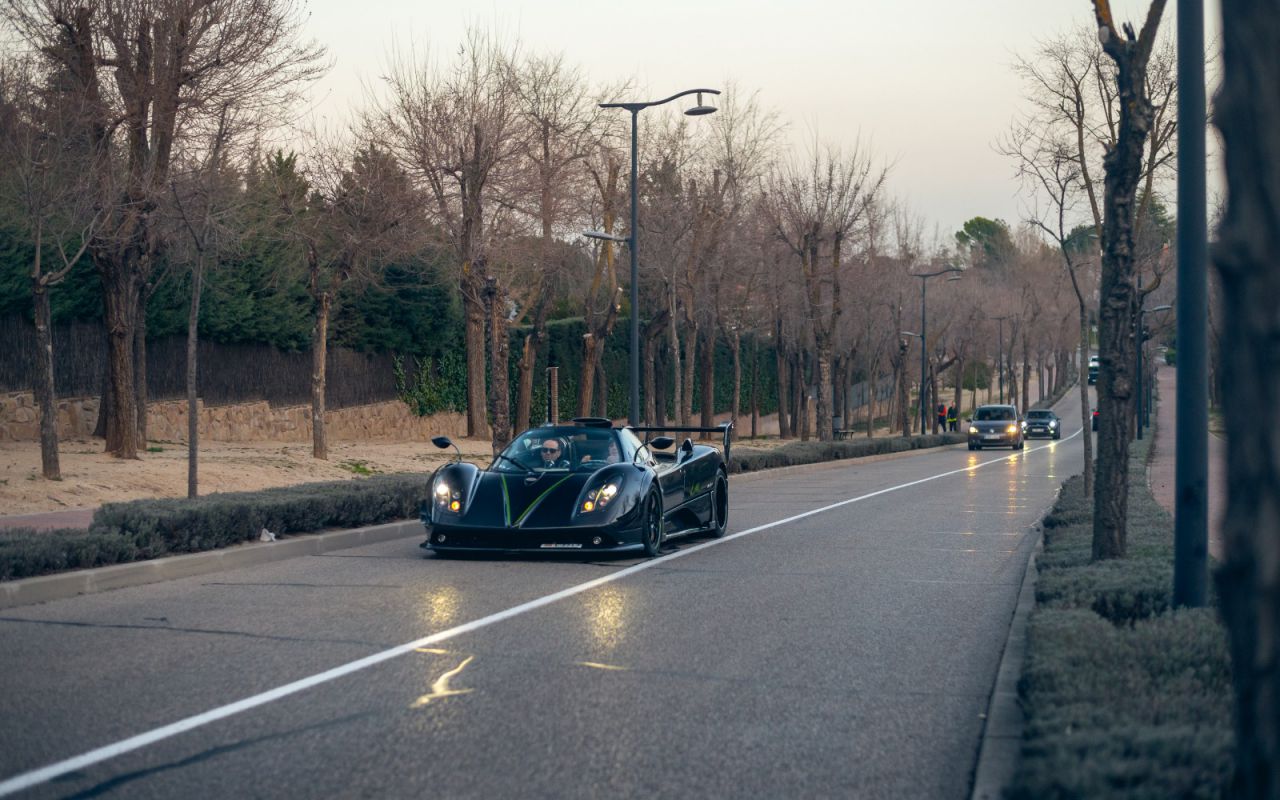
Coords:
1162,468
50,520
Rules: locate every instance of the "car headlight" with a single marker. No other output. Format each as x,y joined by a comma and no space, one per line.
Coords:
1053,423
598,499
446,497
1011,429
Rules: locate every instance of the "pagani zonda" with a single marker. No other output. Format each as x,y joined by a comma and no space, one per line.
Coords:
585,486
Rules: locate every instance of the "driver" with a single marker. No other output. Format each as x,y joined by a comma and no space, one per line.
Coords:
552,455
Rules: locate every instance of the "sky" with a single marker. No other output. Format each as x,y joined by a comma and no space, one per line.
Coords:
926,84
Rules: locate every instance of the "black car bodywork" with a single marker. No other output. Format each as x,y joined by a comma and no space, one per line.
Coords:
1042,422
611,491
995,426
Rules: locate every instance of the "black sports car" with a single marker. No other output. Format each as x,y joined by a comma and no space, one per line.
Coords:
585,486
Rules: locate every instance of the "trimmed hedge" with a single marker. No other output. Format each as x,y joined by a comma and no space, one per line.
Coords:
143,529
27,552
795,453
1125,697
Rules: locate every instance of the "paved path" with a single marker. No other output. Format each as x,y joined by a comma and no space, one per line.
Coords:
1162,468
841,642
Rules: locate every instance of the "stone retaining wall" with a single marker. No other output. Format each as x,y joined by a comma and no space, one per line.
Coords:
241,422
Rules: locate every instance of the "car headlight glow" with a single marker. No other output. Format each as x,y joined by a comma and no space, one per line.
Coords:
1053,423
447,497
1011,429
600,498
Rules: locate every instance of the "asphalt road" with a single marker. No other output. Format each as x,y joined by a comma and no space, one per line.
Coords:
816,651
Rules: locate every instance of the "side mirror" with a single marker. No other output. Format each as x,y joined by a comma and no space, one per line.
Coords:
661,442
686,449
444,443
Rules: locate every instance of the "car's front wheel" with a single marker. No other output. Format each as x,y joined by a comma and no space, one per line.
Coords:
651,526
719,506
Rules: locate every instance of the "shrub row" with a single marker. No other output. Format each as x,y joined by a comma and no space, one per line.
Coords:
789,455
1125,697
27,552
143,529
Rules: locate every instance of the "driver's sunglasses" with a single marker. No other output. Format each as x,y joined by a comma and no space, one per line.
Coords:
551,449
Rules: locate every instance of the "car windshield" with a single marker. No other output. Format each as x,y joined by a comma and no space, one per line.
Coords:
994,414
560,447
1039,415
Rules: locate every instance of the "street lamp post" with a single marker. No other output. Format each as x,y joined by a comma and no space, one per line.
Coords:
1000,357
924,330
633,241
1142,338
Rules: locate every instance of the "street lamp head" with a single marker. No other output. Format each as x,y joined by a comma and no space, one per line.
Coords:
1158,308
910,333
700,109
606,237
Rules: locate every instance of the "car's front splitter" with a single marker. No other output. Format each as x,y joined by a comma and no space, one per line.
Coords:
523,540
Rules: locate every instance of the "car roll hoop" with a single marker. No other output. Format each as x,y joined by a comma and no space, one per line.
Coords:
724,428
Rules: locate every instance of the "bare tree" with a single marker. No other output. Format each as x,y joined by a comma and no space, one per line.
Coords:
564,123
148,73
211,196
456,129
1248,115
1119,302
816,208
43,196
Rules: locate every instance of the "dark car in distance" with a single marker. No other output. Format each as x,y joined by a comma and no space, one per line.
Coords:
584,486
1042,422
995,426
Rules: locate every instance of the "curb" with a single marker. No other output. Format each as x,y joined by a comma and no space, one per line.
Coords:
1001,742
60,586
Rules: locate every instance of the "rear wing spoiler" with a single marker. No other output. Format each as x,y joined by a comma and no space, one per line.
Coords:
724,428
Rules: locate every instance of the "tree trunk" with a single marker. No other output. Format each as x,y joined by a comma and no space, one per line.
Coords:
677,387
1026,376
499,365
140,370
799,408
707,394
587,377
319,361
524,388
873,377
1086,416
106,401
736,403
120,296
661,371
690,363
193,411
1118,307
650,380
477,397
784,387
755,386
823,403
602,390
1247,111
46,396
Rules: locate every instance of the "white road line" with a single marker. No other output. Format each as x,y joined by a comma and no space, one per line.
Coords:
44,774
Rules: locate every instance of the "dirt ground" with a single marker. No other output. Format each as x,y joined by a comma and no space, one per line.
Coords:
91,478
